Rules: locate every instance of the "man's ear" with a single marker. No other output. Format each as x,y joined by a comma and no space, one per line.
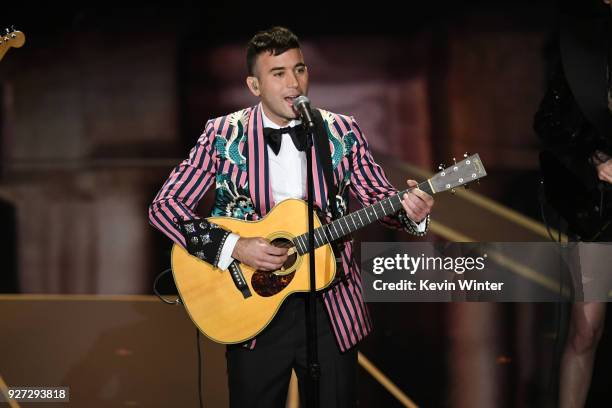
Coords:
253,84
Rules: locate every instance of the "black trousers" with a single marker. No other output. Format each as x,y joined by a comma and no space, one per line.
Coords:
260,377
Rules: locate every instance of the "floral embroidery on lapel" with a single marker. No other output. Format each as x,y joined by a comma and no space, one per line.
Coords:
341,197
349,140
230,149
232,201
342,144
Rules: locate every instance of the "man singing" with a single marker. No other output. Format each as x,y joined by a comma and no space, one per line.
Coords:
256,157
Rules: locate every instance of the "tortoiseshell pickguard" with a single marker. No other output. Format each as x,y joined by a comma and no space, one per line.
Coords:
266,283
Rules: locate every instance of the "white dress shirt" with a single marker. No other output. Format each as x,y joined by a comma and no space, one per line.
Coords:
287,172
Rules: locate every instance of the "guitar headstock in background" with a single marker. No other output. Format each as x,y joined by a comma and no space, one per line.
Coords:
459,174
10,39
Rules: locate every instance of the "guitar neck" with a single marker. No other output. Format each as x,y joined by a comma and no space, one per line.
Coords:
354,221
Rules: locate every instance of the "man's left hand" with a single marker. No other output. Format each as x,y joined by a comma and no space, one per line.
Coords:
417,203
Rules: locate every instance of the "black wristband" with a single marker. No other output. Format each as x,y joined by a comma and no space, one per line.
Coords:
203,239
409,225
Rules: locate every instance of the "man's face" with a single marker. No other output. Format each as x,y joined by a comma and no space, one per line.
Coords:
278,80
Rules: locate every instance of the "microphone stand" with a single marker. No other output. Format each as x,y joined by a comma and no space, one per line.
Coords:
312,353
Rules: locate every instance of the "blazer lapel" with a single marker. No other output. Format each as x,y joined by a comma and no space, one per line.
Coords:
318,182
320,186
259,180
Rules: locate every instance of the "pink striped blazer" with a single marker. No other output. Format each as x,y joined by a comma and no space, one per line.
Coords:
232,154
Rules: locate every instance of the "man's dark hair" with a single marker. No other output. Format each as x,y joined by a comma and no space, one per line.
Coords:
276,40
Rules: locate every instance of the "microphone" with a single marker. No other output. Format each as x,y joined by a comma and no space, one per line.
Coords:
302,105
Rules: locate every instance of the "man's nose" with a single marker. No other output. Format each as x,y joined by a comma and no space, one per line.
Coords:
292,81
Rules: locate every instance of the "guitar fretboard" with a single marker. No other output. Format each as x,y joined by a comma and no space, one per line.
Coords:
354,221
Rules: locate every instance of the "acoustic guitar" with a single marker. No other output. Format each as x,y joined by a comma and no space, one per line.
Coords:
225,315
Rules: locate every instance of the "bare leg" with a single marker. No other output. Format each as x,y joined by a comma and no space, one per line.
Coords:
586,328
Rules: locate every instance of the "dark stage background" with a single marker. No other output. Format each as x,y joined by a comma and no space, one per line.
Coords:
104,99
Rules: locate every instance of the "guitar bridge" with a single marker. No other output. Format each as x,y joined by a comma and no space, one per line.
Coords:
239,281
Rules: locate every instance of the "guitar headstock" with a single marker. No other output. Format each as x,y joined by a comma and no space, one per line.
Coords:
10,38
466,171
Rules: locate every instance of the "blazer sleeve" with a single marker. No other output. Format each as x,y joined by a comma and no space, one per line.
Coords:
173,208
370,185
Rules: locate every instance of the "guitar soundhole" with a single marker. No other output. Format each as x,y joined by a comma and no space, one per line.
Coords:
266,283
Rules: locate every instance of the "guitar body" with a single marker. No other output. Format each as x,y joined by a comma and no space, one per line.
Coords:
210,296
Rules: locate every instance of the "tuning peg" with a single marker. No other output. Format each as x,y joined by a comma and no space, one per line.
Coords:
440,166
465,155
454,161
453,191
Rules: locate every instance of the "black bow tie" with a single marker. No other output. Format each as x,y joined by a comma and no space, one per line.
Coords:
274,137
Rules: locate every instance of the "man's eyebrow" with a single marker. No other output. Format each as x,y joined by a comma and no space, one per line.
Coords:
298,65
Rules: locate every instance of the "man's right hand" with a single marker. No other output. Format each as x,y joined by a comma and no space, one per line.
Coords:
604,171
258,253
